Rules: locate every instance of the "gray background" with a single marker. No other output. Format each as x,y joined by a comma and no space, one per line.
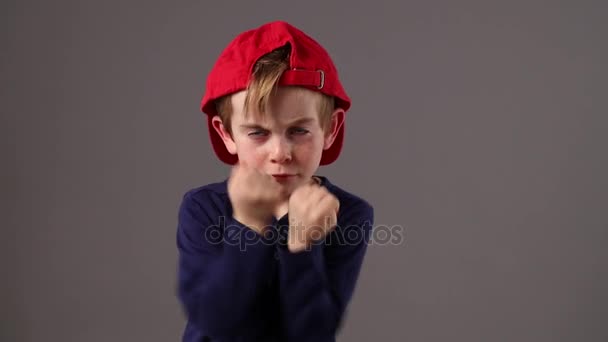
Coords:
480,127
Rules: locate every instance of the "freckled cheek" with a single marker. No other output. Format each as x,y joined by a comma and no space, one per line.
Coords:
306,151
251,152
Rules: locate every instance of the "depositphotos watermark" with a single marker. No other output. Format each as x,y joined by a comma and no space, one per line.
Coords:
228,231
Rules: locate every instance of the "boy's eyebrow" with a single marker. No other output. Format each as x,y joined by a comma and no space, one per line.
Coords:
251,126
301,121
296,122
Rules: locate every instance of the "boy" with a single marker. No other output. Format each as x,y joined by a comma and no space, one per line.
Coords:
273,252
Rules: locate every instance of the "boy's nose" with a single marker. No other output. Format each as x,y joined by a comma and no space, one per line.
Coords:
280,151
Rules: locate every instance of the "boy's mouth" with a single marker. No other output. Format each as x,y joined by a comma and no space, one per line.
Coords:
283,177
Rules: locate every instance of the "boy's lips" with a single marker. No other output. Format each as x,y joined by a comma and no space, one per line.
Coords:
283,177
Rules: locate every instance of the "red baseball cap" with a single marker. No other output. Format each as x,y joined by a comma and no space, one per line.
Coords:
310,66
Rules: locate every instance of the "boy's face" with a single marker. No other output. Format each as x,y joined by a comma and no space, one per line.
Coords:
286,142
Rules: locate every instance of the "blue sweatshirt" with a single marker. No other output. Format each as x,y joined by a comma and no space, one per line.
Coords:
237,285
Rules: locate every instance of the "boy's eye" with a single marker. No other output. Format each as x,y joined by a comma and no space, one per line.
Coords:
257,133
298,131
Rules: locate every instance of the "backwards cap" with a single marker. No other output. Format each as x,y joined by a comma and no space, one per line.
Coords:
310,66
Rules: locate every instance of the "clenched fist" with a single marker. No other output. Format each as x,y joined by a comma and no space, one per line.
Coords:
313,213
254,196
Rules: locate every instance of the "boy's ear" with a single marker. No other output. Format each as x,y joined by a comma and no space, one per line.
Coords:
218,125
337,120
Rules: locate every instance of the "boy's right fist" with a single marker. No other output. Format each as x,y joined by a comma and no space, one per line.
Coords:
254,196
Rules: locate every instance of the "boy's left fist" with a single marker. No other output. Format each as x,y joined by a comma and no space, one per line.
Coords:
313,213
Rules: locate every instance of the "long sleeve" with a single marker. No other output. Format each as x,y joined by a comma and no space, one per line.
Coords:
316,285
223,267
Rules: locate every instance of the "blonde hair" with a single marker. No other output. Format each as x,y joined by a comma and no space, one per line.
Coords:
263,84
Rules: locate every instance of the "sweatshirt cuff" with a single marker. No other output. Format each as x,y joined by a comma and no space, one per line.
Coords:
310,259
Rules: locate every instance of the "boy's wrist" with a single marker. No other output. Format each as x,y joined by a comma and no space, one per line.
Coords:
298,246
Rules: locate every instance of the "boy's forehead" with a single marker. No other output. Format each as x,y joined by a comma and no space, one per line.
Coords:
285,106
278,116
